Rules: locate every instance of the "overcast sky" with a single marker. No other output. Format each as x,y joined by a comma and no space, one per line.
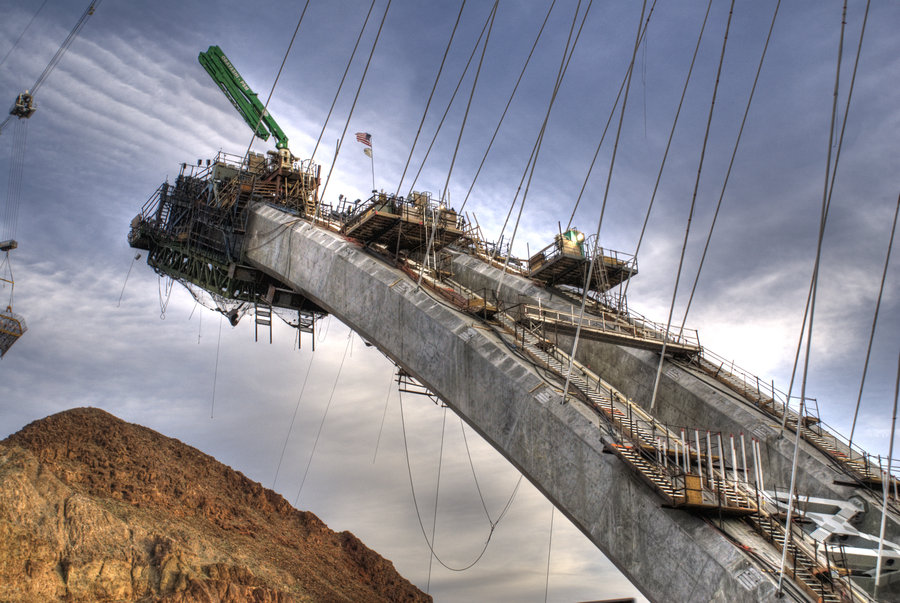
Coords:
129,102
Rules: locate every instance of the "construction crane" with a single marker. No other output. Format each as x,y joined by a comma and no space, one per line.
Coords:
245,100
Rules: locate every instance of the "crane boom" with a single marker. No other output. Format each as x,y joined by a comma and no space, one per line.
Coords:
240,94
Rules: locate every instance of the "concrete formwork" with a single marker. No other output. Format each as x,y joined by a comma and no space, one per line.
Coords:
671,555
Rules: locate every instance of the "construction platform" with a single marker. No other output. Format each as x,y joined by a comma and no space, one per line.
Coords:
565,261
401,223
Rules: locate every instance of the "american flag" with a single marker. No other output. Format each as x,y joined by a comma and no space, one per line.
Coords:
365,138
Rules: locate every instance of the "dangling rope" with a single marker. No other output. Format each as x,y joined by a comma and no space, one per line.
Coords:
212,407
505,109
687,230
431,96
812,306
862,382
478,487
728,171
293,417
549,549
324,416
136,257
343,77
437,492
387,398
612,163
355,98
21,35
419,514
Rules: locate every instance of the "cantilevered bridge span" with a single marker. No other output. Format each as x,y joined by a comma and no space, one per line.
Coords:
688,501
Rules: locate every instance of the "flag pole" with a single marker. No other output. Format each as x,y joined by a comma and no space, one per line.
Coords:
372,157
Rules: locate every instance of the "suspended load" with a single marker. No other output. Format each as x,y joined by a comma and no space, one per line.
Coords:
12,326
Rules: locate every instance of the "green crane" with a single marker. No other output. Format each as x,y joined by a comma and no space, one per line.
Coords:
244,100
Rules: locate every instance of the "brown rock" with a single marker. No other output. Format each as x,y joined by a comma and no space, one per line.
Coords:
96,509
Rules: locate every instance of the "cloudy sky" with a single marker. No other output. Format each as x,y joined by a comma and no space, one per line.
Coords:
129,102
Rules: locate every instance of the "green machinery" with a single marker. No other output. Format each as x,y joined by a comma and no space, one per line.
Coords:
193,230
245,100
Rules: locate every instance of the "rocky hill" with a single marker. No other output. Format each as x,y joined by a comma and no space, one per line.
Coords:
96,509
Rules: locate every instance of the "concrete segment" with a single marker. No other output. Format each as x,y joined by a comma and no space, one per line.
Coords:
669,554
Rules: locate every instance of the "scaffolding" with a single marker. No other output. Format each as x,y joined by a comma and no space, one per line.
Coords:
193,230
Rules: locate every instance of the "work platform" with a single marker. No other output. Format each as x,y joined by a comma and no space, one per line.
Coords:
611,327
400,223
566,261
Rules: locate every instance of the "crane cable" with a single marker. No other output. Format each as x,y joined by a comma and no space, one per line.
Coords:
612,163
73,33
14,183
687,230
341,84
826,202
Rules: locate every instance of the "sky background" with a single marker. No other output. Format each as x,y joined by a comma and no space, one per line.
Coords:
129,102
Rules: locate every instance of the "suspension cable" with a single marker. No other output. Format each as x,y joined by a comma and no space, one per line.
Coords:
449,104
612,163
505,109
343,77
612,113
687,230
828,201
444,193
862,382
734,151
568,51
362,80
886,480
277,76
812,304
437,79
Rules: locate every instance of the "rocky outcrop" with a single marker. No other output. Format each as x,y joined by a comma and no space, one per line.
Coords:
96,509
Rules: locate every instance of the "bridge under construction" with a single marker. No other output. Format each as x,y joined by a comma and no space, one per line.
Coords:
684,488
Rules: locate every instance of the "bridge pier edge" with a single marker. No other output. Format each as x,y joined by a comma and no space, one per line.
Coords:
670,555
